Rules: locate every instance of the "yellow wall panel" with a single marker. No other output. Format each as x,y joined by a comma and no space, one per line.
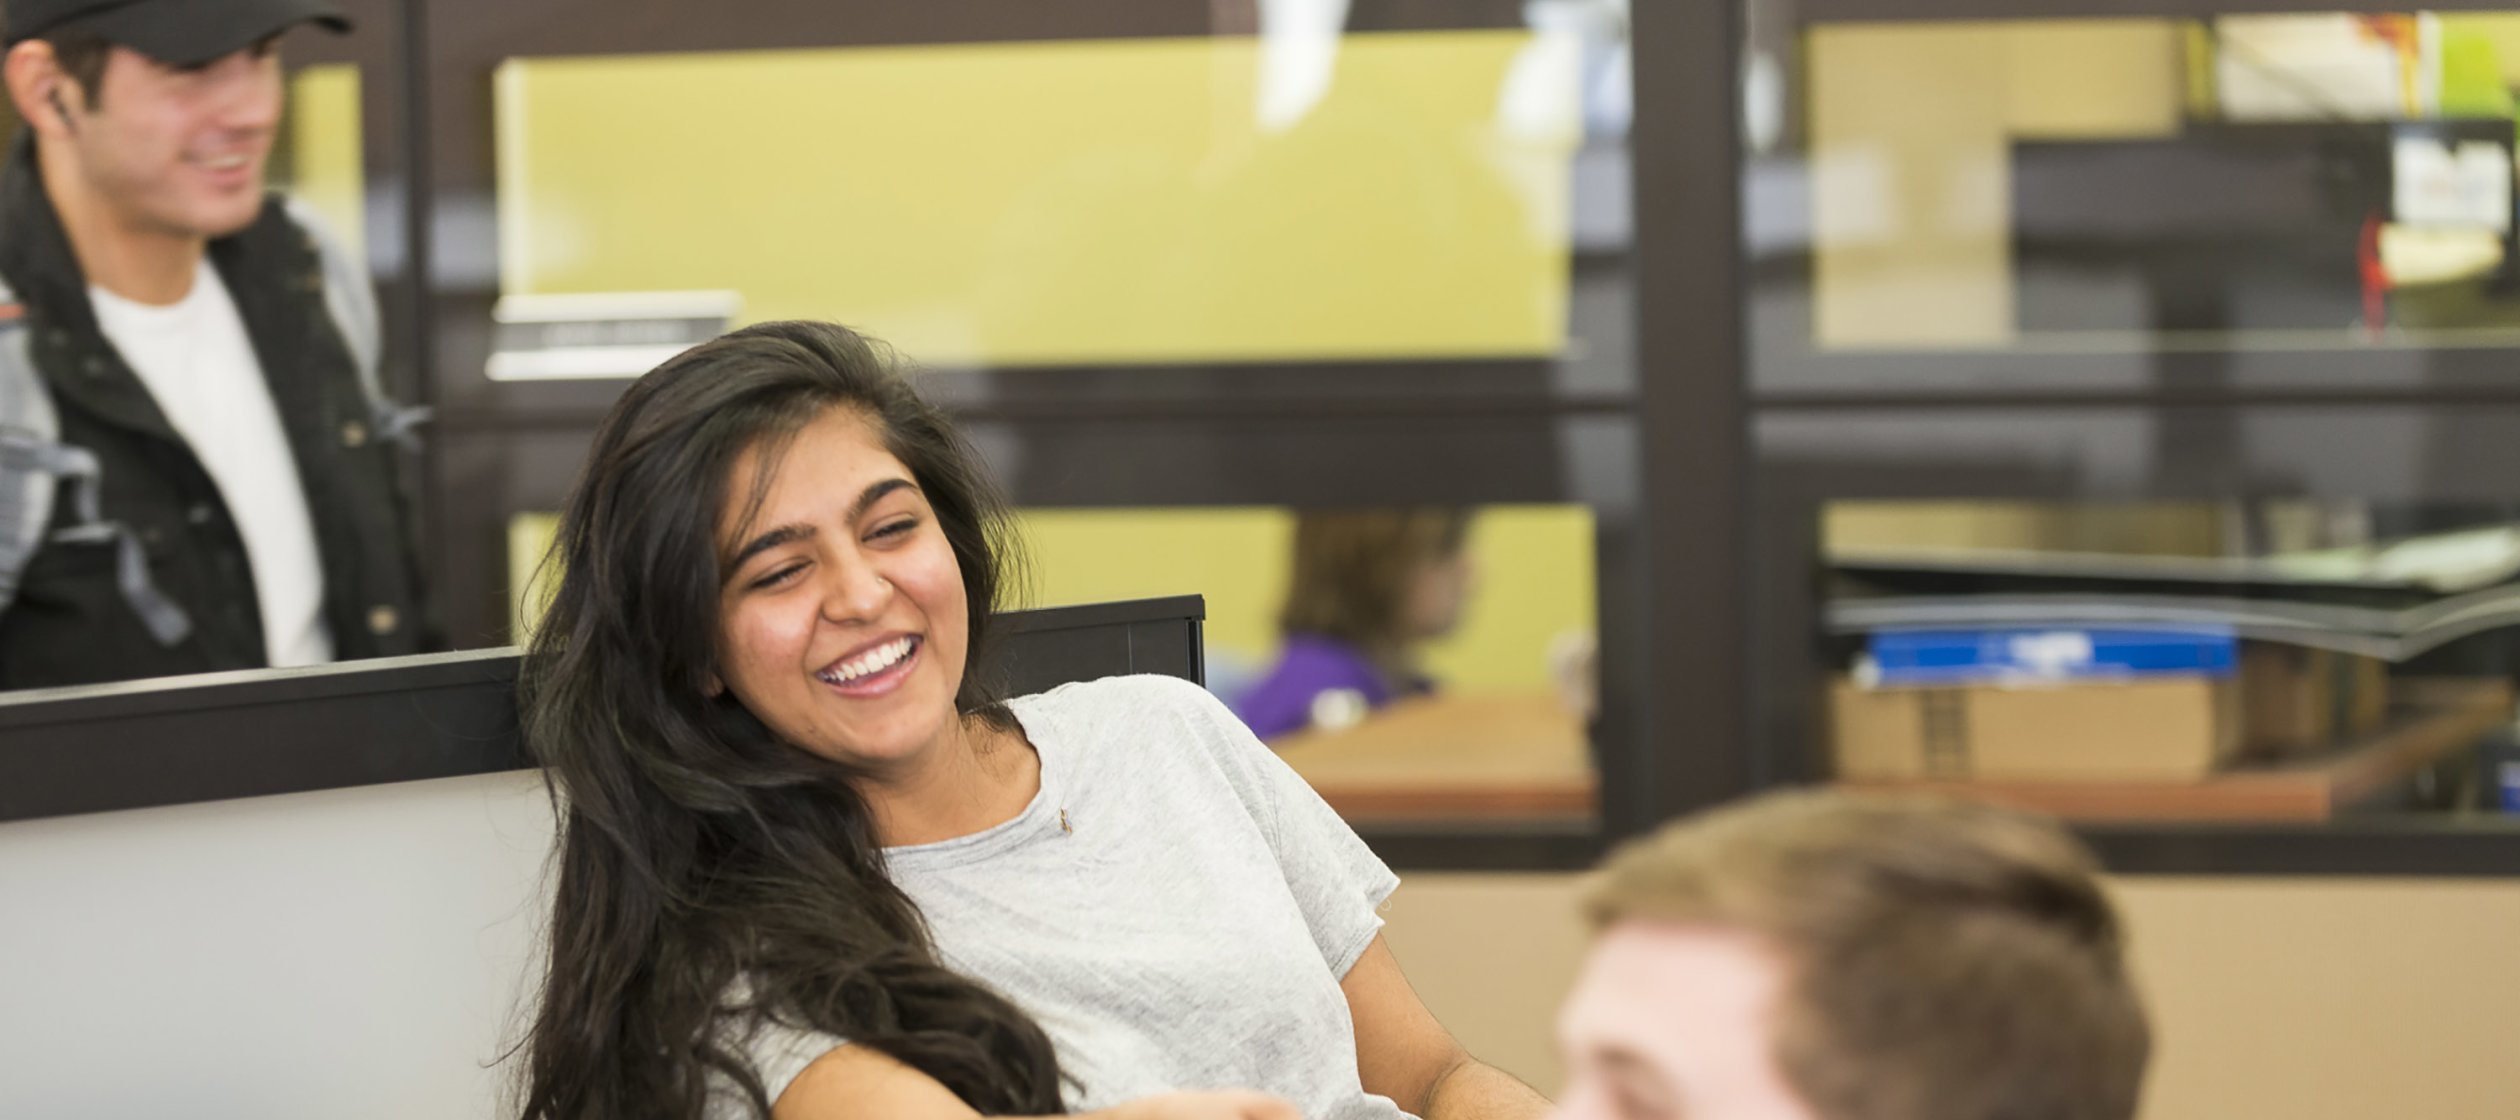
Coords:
1912,184
1535,583
1055,202
1911,204
326,165
1236,557
2093,79
2306,999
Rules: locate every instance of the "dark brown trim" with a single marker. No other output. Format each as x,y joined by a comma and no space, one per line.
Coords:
1433,15
1306,388
1460,802
1182,391
252,734
1692,746
2463,848
1791,372
2487,848
2506,396
1483,846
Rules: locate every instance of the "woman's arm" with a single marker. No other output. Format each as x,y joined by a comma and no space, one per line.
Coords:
1404,1054
860,1083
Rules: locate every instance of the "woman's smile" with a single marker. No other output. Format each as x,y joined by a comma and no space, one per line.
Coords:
875,670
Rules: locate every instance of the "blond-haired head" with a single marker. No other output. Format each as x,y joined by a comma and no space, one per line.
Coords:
1897,958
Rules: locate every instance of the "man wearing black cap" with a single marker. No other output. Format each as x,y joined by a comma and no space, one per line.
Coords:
196,470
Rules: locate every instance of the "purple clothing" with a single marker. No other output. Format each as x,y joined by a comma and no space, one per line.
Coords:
1310,665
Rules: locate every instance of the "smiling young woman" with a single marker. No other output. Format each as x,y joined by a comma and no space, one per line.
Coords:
812,866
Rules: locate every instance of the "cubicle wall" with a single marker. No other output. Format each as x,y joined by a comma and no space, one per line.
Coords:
316,892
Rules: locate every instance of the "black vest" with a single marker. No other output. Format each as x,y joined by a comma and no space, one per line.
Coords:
70,623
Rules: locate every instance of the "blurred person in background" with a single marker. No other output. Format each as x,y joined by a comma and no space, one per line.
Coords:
197,471
1370,588
1836,956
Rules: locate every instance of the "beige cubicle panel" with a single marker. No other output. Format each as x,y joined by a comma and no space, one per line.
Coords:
351,952
2307,999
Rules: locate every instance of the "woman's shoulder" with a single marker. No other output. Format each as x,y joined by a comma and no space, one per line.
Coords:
1132,722
1123,697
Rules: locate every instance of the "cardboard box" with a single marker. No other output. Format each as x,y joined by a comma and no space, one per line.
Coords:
2300,701
2148,730
2363,696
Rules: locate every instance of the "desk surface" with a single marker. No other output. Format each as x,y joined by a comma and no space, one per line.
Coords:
1486,756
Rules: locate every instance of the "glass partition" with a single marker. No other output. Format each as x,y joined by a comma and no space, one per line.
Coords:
2134,203
1188,276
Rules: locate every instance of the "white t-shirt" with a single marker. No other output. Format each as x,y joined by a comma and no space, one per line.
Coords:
1186,927
198,363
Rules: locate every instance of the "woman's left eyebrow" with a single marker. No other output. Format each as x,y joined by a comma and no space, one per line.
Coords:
767,541
784,534
875,493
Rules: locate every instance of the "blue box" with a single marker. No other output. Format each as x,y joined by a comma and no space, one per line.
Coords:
2047,654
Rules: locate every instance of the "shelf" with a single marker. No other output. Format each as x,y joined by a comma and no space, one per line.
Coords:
2434,720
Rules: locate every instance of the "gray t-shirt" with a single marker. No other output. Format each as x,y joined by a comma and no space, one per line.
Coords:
1176,908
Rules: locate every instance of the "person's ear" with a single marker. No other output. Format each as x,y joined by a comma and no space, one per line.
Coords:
40,91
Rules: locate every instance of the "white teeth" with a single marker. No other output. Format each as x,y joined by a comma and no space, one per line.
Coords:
874,660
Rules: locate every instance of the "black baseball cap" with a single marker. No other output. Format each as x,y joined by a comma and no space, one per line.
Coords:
175,32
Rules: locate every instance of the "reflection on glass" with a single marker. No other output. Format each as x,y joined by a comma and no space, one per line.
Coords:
316,157
2239,661
1149,200
1500,732
324,162
2312,180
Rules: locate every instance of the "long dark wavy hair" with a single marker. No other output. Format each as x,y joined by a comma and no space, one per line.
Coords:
710,872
